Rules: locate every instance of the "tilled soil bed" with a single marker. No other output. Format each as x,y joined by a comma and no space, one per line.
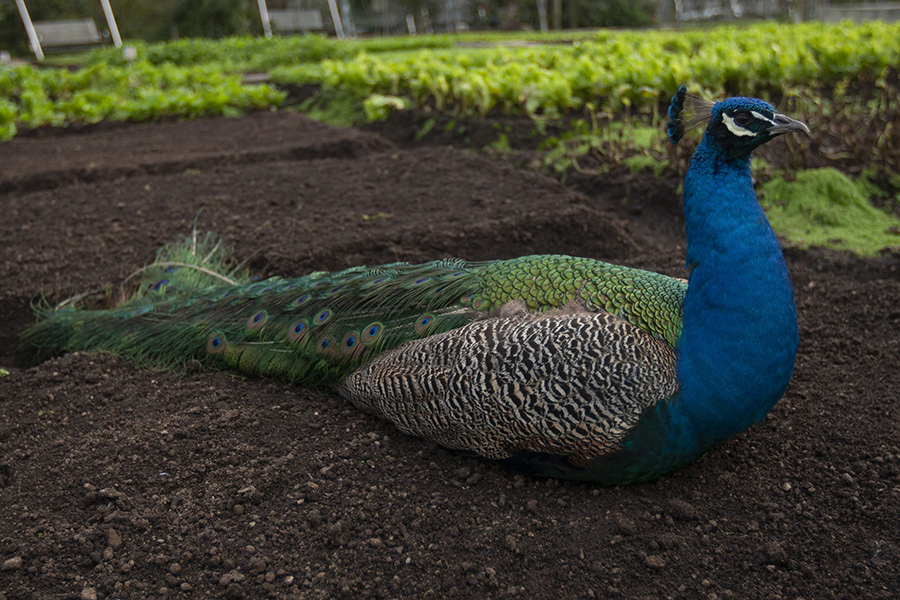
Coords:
120,482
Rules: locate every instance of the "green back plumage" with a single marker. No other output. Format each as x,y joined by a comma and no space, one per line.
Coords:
193,304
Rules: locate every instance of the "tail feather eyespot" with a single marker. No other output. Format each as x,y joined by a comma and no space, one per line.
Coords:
423,323
372,332
256,320
297,330
216,344
351,345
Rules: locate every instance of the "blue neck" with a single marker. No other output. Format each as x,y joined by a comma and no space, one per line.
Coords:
739,337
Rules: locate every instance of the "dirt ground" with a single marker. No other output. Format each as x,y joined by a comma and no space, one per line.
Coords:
119,482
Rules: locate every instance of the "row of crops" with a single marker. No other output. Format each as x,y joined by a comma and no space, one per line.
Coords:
185,78
537,75
617,70
31,98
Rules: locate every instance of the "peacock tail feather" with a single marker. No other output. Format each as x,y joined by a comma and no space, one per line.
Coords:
316,329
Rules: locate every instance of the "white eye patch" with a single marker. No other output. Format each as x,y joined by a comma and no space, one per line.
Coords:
735,128
762,117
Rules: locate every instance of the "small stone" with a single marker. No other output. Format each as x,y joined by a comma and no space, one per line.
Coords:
238,509
774,554
656,561
114,495
113,538
462,472
668,542
175,568
683,511
12,564
288,580
624,525
786,486
314,518
89,593
257,565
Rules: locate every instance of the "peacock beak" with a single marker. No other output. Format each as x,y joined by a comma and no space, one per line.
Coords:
785,124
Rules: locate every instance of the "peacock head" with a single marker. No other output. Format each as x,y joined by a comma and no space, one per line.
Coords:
736,126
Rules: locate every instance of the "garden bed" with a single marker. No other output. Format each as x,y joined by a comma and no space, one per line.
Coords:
120,482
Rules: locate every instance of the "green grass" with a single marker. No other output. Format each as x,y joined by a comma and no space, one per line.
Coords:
824,207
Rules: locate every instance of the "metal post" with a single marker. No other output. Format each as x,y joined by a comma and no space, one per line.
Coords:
111,23
33,40
264,16
542,14
336,17
557,14
347,22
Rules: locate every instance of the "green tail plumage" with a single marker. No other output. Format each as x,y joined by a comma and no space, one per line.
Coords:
192,303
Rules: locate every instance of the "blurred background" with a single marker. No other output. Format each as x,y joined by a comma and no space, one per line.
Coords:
160,20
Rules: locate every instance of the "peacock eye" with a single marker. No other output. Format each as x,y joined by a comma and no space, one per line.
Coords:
742,119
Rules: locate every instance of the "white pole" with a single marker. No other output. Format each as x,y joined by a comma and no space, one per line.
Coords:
347,21
542,14
111,22
336,17
264,15
33,40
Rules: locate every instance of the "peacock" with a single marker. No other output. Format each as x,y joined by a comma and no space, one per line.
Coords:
551,365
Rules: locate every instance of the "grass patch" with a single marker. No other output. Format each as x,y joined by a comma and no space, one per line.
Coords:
824,207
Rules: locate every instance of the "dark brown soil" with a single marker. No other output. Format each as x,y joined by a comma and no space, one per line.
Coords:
118,482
